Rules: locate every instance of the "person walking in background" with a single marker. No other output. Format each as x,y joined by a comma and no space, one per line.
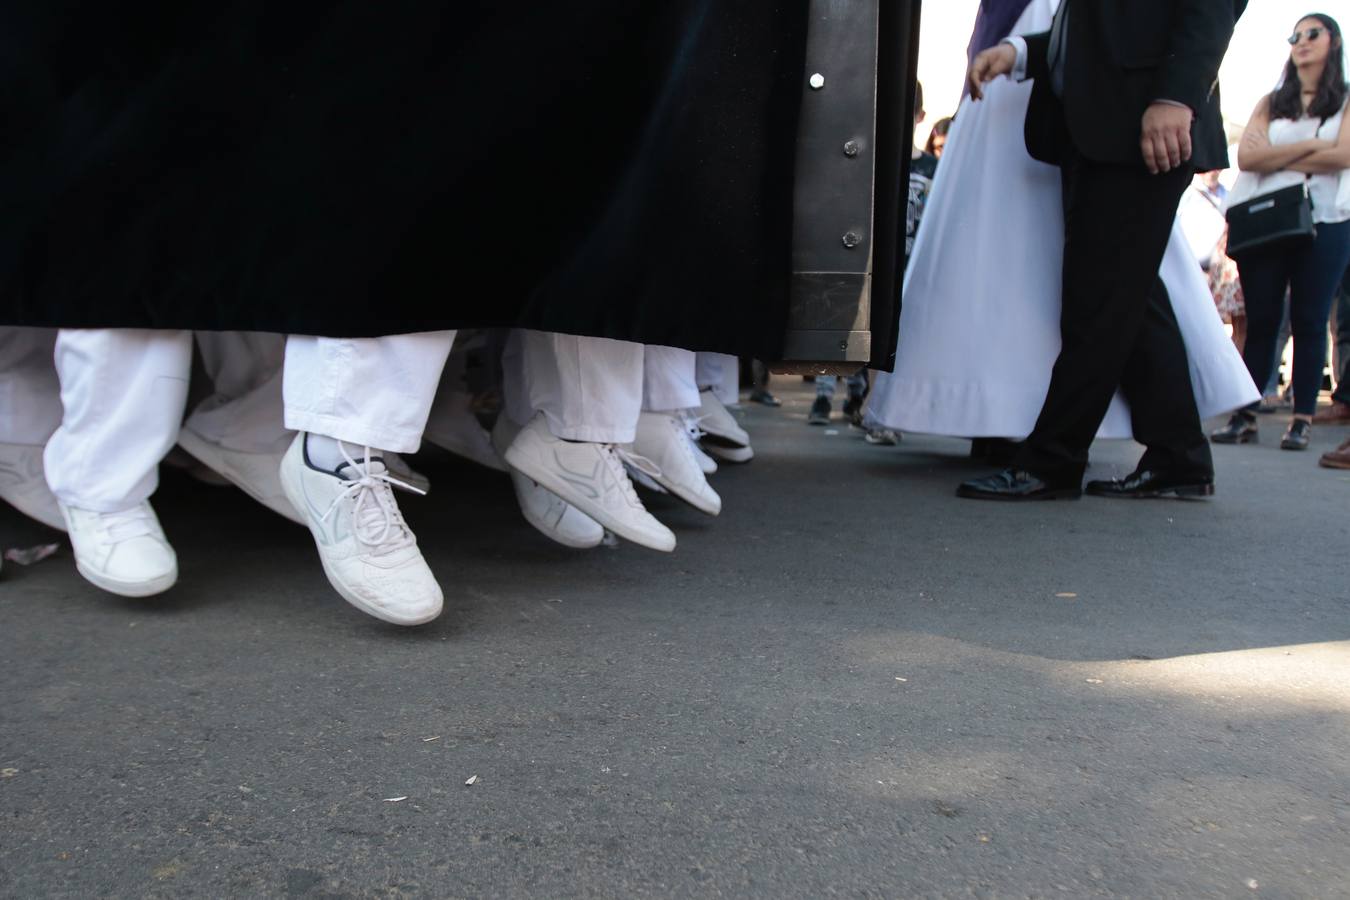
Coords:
1124,165
980,328
1201,216
937,138
1297,135
759,384
1226,287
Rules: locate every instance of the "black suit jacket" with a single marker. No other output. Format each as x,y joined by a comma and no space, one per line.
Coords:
1122,56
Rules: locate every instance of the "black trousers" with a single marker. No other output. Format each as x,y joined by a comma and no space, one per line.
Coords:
1117,326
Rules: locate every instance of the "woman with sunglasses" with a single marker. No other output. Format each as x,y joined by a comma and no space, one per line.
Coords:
1297,134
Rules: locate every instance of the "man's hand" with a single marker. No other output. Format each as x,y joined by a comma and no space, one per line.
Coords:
1165,137
990,64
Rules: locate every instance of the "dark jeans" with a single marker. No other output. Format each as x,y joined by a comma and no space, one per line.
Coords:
857,385
1311,274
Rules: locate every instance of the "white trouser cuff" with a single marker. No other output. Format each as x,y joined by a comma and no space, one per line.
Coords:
374,392
123,393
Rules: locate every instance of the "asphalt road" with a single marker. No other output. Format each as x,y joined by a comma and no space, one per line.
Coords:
851,684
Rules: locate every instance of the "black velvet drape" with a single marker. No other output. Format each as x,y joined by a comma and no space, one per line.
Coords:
613,168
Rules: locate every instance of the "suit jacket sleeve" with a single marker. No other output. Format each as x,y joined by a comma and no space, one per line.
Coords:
1038,55
1200,32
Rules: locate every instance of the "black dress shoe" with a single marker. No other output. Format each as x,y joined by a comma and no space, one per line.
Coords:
1241,429
1146,484
1296,438
1016,484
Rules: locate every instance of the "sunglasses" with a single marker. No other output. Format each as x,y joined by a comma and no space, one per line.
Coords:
1311,34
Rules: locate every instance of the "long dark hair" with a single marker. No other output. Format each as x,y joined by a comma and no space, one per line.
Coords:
1286,102
940,129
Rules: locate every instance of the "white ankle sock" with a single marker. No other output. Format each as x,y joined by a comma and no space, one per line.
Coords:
326,453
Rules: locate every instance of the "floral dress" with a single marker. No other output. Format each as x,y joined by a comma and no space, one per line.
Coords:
1224,283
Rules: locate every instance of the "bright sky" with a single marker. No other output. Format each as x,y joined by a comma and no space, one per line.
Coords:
1255,58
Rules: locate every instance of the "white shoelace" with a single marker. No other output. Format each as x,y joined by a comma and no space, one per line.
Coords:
617,457
374,507
136,522
692,424
689,425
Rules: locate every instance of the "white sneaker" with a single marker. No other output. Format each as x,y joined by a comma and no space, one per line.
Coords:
719,426
643,480
553,517
256,474
729,454
664,439
368,552
404,474
695,434
23,484
124,553
590,477
453,426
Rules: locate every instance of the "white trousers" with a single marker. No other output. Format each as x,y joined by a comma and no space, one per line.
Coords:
372,392
668,379
122,395
30,394
720,372
245,412
589,389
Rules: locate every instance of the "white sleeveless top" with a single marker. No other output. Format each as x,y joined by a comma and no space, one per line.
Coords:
1330,191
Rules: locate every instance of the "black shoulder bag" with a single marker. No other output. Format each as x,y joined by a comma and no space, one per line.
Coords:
1275,220
1279,219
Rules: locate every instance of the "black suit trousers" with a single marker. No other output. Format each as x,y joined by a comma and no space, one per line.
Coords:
1117,326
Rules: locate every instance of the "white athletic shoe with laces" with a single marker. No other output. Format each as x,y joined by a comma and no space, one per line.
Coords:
551,516
256,474
695,434
368,552
23,484
663,438
719,426
590,477
125,553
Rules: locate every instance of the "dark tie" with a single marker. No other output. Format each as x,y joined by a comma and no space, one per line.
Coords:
1059,30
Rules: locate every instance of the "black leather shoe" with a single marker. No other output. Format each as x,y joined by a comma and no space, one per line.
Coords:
1016,484
1146,484
1241,429
1296,438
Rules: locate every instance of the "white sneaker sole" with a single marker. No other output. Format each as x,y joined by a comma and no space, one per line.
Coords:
545,478
205,453
375,612
297,499
132,589
694,499
541,525
729,454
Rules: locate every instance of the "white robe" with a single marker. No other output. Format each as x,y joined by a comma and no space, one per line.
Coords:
979,327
